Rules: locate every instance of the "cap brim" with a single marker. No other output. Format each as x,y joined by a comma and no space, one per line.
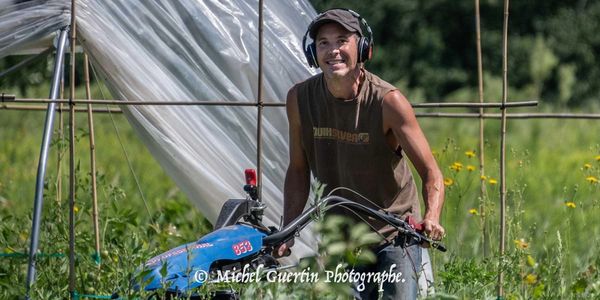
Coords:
315,27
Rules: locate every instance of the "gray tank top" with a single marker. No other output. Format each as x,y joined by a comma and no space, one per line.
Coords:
346,147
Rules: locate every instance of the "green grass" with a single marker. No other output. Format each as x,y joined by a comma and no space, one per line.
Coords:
555,256
548,162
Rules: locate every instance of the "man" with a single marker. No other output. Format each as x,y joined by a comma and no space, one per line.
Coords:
352,130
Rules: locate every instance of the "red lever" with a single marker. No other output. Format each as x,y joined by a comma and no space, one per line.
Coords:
250,176
417,226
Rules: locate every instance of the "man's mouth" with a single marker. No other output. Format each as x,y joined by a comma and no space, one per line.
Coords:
335,62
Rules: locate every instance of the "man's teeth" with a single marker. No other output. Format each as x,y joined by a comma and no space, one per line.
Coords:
333,62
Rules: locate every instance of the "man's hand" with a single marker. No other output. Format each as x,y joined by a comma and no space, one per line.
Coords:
433,229
283,249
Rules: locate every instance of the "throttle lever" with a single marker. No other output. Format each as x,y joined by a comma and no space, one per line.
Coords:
418,227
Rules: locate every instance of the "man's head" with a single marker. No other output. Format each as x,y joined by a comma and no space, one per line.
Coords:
343,17
346,20
336,51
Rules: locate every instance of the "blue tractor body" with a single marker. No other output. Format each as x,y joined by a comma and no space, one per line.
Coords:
187,267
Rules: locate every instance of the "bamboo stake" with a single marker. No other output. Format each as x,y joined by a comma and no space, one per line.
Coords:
61,137
72,274
503,151
514,116
482,192
42,108
88,93
517,116
268,104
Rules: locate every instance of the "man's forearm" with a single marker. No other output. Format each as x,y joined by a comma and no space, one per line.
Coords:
295,194
433,195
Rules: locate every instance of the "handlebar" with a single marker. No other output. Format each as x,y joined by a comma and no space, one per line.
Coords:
289,231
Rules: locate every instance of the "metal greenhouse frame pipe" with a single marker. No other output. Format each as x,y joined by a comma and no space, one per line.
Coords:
46,139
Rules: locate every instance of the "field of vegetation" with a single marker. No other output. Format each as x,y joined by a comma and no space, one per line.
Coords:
553,166
552,215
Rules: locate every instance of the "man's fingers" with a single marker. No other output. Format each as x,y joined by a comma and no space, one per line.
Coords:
433,230
437,233
282,249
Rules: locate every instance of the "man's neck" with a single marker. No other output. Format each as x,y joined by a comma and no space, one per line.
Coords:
346,87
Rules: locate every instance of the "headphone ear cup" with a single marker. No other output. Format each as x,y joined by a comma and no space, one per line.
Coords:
311,55
364,50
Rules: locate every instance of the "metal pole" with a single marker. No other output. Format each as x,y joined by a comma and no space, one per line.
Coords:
503,152
72,274
46,139
86,73
482,192
259,101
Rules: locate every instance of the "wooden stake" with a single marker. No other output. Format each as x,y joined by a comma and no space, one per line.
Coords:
503,152
88,94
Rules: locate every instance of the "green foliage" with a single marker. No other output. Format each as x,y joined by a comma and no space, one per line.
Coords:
428,48
549,163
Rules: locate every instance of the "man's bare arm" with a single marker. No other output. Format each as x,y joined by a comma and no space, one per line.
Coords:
399,117
297,177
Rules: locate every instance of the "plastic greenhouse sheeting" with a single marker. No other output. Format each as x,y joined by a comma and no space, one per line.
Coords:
189,50
202,50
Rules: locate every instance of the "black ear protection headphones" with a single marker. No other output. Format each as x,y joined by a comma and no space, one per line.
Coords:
365,44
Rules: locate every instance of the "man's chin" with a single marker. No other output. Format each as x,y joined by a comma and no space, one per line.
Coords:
340,73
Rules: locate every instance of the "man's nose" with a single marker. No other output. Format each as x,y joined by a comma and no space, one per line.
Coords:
333,49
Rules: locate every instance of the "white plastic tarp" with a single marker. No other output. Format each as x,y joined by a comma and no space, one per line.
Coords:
190,50
202,50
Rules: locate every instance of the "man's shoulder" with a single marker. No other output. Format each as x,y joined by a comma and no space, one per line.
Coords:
311,80
379,83
301,89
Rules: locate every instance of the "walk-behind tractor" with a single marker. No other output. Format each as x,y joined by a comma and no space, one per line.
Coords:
240,242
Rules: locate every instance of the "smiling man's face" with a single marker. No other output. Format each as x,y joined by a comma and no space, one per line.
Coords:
337,53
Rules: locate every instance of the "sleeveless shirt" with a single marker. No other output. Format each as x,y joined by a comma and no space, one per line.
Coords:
345,146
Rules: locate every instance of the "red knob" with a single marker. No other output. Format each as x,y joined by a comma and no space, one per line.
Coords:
250,176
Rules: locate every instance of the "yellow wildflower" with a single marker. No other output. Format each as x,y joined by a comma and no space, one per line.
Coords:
592,179
531,278
521,244
531,261
473,211
493,181
448,182
483,177
456,166
470,168
598,157
470,153
587,166
570,204
75,209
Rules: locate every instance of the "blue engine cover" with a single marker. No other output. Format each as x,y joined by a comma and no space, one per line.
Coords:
187,265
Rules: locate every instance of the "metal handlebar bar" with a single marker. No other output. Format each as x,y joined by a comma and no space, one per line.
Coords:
288,232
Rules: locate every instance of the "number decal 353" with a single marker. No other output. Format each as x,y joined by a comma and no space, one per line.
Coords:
242,247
